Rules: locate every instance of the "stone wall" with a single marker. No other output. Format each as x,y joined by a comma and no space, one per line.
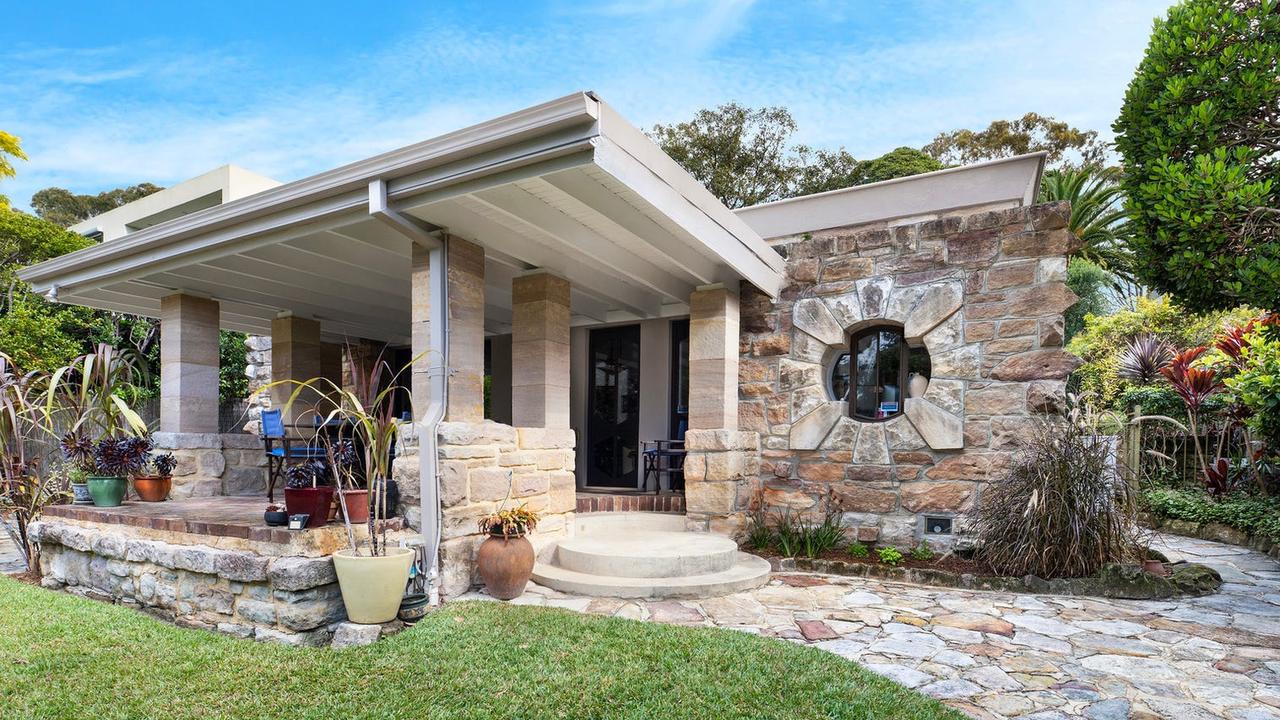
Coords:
721,479
289,599
212,464
984,293
258,370
480,464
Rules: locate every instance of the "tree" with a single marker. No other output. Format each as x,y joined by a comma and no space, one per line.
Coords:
65,208
1090,283
10,147
1098,217
1007,138
745,156
1199,132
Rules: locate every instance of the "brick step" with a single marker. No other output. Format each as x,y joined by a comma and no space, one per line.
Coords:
629,502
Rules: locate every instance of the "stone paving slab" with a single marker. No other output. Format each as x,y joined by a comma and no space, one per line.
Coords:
10,558
1003,655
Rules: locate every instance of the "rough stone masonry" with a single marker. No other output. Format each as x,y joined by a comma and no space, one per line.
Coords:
984,293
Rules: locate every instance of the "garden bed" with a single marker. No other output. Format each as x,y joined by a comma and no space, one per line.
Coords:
1242,520
1115,581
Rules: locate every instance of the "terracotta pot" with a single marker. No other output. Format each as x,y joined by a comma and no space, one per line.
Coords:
372,587
152,488
506,565
1155,567
313,501
356,503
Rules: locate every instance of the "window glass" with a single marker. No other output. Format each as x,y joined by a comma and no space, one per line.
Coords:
873,377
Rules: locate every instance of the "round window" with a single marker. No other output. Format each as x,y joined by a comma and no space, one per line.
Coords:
874,375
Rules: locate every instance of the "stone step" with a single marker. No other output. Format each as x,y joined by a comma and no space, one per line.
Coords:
647,554
748,572
627,522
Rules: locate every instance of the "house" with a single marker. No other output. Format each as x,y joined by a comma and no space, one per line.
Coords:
874,351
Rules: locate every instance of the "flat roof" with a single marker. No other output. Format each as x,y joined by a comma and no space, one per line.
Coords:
1007,181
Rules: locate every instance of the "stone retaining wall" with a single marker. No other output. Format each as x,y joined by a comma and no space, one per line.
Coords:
480,464
984,293
211,464
287,599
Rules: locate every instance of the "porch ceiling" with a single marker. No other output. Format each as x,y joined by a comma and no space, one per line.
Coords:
567,187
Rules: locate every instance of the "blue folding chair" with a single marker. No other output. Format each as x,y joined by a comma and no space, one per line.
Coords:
282,449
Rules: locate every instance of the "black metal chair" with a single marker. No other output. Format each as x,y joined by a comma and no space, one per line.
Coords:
665,457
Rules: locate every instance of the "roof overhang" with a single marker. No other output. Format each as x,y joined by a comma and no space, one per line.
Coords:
1007,182
567,187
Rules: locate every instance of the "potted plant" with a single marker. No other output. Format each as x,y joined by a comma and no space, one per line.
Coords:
505,559
275,516
78,479
352,500
372,574
155,487
305,493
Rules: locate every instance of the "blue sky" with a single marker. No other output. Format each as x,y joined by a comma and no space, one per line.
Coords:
105,93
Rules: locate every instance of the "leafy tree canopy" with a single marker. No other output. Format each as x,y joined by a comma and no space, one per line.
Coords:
10,147
65,208
745,156
1006,138
1200,135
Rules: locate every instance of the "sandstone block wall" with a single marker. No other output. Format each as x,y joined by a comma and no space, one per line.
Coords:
483,464
721,479
983,292
289,599
212,464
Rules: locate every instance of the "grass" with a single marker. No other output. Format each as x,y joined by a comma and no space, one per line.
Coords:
66,657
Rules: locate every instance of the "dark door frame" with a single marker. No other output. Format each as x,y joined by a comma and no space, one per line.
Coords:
623,438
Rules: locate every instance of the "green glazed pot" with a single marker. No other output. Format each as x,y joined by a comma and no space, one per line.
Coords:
107,490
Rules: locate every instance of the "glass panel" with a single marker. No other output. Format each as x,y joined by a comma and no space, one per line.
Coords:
840,378
889,370
866,395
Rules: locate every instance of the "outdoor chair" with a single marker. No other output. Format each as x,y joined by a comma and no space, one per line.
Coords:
282,449
665,458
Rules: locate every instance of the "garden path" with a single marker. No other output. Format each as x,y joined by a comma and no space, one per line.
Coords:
10,560
1002,655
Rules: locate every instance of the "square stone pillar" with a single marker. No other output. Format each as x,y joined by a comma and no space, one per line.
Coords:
188,364
465,281
296,354
540,351
713,358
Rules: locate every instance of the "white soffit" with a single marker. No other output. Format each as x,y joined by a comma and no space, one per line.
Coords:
567,186
1006,182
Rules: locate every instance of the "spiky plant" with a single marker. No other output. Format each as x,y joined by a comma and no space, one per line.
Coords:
1098,217
1143,357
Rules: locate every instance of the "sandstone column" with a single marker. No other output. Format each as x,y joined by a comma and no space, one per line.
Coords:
188,364
296,354
540,351
713,358
465,280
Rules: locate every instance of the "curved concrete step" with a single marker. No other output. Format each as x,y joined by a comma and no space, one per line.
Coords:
647,554
627,522
747,572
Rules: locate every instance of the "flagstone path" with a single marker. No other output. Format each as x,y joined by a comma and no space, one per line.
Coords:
10,560
1001,655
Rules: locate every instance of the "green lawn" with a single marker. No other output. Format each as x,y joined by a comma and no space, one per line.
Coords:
65,657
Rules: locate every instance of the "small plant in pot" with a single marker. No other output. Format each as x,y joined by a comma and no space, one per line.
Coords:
155,486
305,492
506,557
108,464
275,516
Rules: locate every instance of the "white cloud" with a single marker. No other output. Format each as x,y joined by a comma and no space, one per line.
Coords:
95,118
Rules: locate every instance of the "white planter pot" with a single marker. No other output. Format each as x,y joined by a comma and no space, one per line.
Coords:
372,587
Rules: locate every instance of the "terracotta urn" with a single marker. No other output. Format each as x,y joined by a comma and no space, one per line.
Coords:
505,564
153,488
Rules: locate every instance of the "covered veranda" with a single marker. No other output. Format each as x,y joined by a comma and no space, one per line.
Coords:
557,217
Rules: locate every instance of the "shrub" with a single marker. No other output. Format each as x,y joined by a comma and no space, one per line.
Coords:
1255,515
858,550
1198,134
889,555
1061,510
759,535
1257,385
922,552
1105,340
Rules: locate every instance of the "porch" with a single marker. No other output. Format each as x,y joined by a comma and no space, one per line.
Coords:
552,266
